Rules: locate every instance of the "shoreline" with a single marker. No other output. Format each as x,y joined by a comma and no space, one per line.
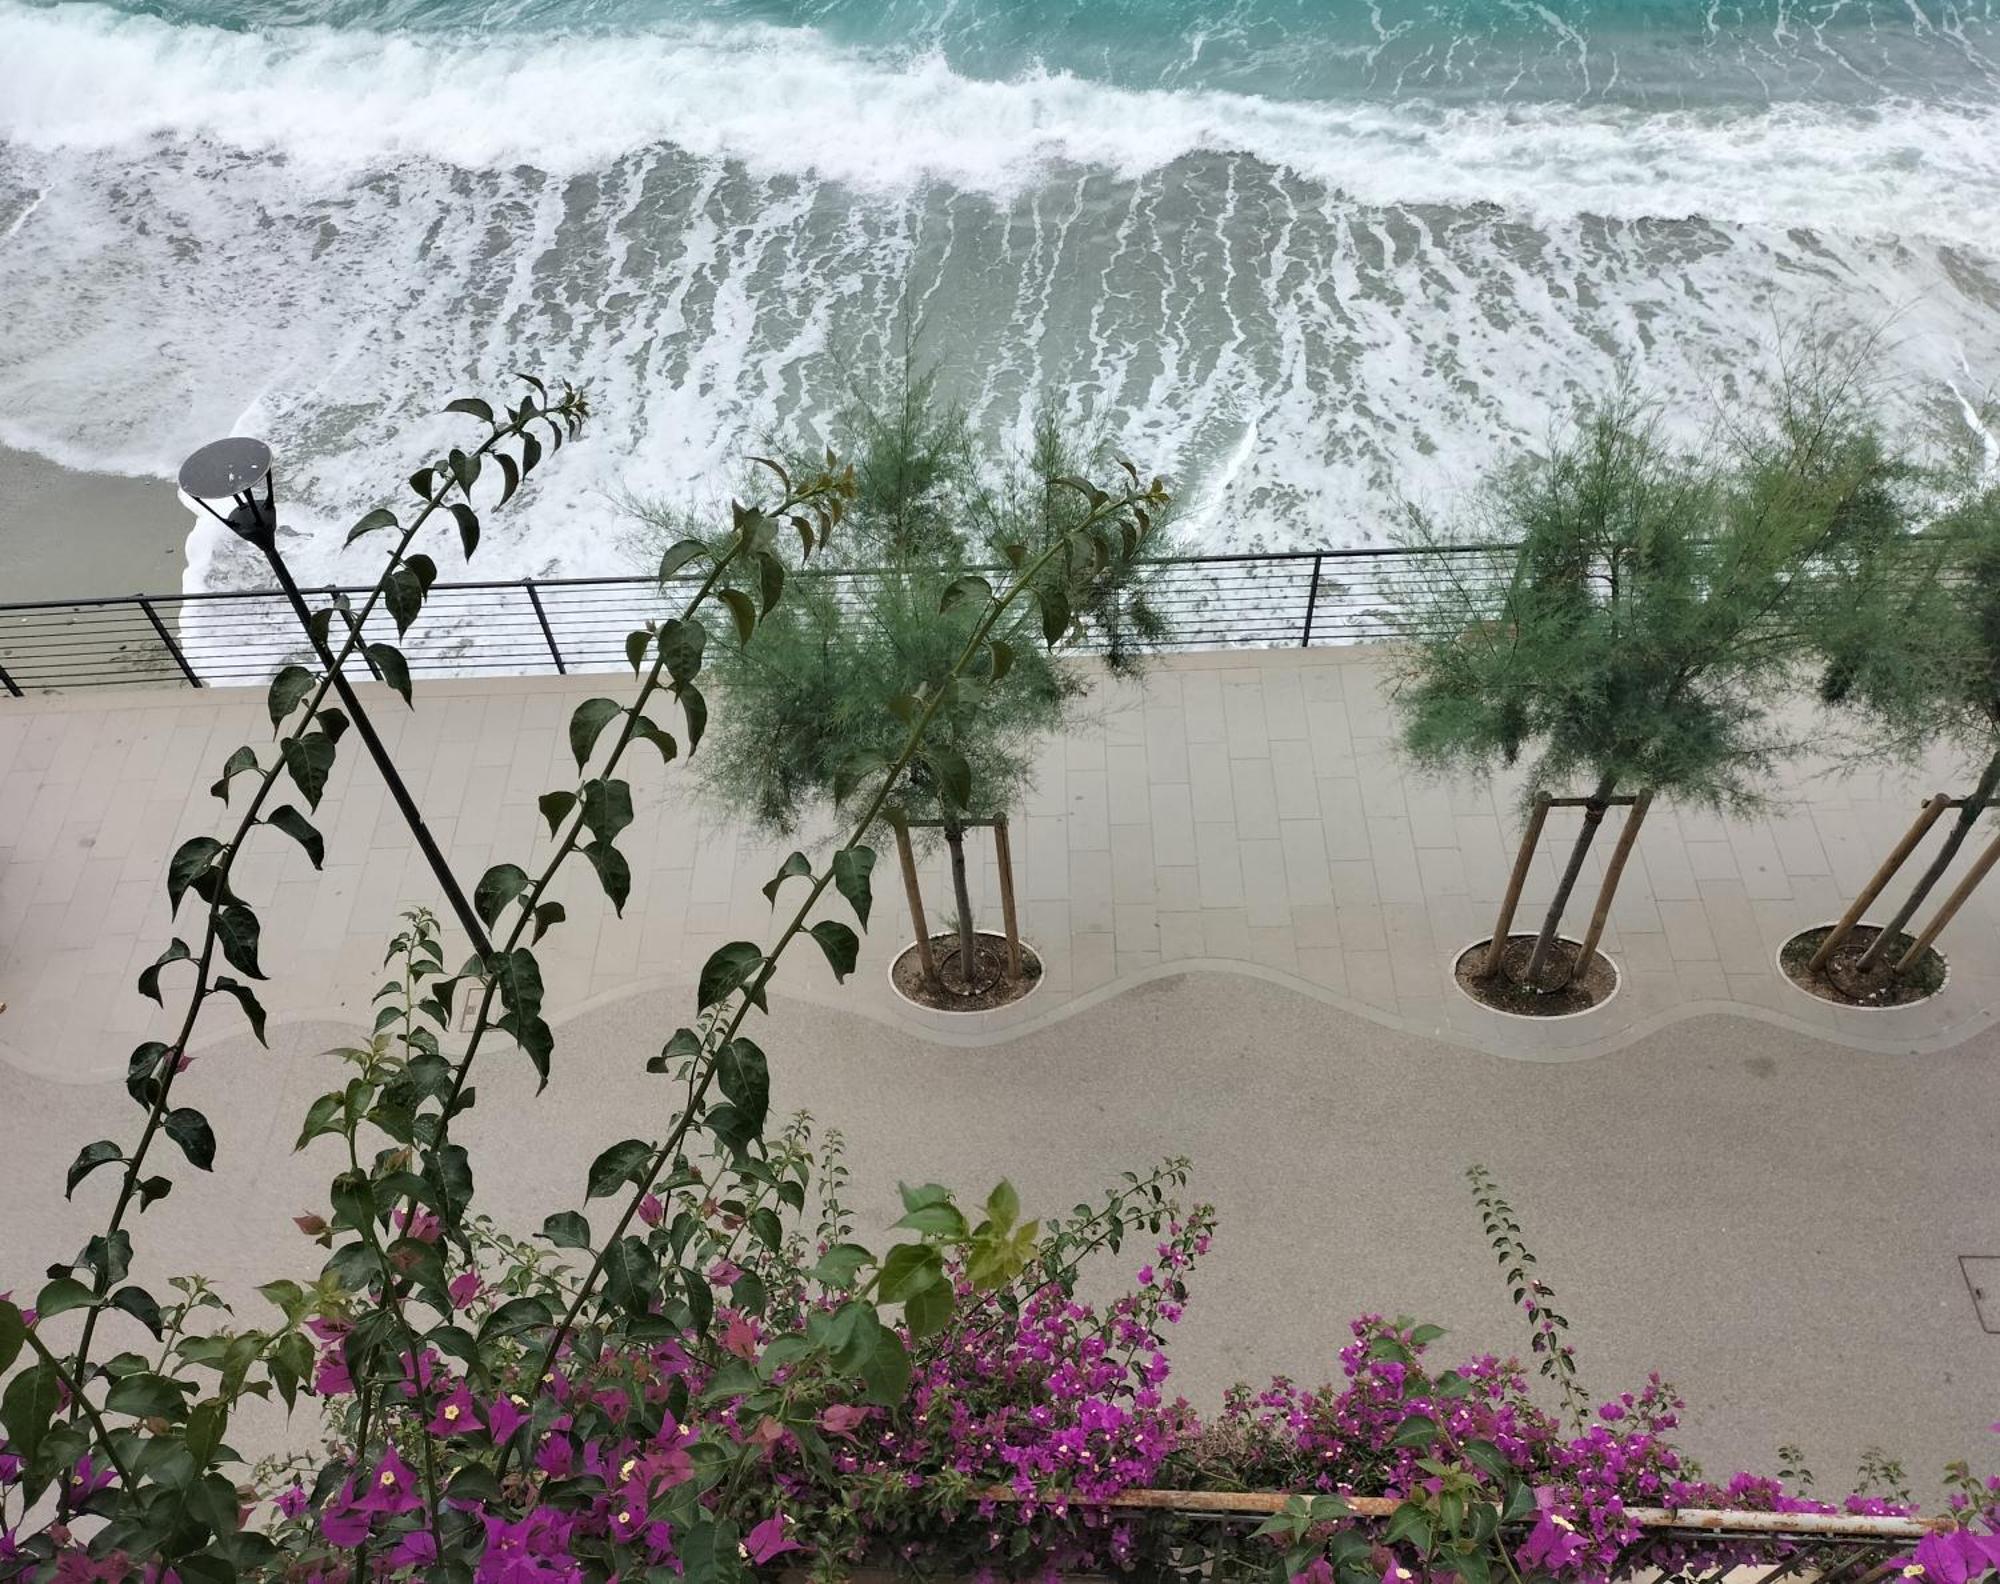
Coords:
66,534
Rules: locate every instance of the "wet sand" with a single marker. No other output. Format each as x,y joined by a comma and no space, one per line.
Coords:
65,534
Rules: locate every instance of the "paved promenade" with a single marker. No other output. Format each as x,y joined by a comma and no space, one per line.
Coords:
1248,911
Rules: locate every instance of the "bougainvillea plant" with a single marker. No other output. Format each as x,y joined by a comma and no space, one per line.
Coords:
700,1372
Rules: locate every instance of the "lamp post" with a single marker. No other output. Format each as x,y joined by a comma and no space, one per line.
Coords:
238,470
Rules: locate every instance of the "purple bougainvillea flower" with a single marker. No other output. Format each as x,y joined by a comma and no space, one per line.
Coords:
422,1226
651,1211
10,1466
343,1523
739,1336
332,1379
418,1548
458,1414
292,1500
1951,1556
1320,1572
86,1479
840,1419
768,1540
464,1289
392,1488
725,1273
504,1418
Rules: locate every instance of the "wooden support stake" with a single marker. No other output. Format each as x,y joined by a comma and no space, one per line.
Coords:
915,898
1522,860
1927,816
1626,839
1003,851
1952,904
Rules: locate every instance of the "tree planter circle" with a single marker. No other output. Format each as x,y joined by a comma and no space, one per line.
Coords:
1838,985
991,989
1589,989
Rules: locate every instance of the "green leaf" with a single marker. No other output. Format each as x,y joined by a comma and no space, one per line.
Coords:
497,887
403,593
188,1128
464,469
309,759
510,476
149,978
27,1406
792,868
645,727
60,1296
555,807
727,969
547,915
152,1188
1003,1207
681,644
1417,1430
567,1229
302,830
841,1264
742,610
852,867
206,1423
236,927
388,660
840,944
630,1275
694,711
935,1220
145,1396
770,580
607,808
910,1268
241,762
614,873
288,688
857,768
468,527
1489,1457
253,1009
192,858
971,585
745,1077
473,406
1055,615
624,1162
679,555
927,1312
636,645
381,517
88,1159
588,723
887,1371
953,775
13,1335
142,1306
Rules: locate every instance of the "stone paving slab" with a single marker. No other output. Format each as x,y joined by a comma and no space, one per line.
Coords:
1245,809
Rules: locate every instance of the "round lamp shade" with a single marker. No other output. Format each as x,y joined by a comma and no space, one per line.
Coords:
225,468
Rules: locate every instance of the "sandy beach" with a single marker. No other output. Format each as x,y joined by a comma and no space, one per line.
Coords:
65,534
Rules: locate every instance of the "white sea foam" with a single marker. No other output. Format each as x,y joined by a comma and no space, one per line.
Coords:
84,77
321,236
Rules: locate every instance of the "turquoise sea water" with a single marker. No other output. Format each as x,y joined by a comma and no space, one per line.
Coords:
1307,255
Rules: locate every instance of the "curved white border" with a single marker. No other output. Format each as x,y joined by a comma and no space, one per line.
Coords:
1617,984
969,1012
1778,958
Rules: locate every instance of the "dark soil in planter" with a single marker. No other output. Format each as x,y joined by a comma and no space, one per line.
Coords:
1843,984
989,984
1562,992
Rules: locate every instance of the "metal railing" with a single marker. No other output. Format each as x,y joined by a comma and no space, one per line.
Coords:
531,626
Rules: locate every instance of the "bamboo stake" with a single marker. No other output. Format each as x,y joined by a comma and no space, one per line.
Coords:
915,898
1522,861
1003,850
1627,838
1952,904
1927,816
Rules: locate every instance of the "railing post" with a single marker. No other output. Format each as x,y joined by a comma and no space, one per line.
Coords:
167,638
10,684
548,632
1312,604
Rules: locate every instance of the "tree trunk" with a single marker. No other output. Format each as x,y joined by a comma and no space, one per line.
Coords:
954,837
1975,805
1593,816
907,861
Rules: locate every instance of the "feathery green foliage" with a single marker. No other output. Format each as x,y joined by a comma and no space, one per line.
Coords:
1631,610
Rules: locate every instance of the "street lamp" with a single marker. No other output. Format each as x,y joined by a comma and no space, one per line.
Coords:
238,470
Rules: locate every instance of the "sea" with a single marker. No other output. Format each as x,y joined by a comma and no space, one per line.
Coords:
1311,259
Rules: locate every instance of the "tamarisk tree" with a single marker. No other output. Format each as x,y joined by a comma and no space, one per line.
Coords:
1626,612
821,697
1913,648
